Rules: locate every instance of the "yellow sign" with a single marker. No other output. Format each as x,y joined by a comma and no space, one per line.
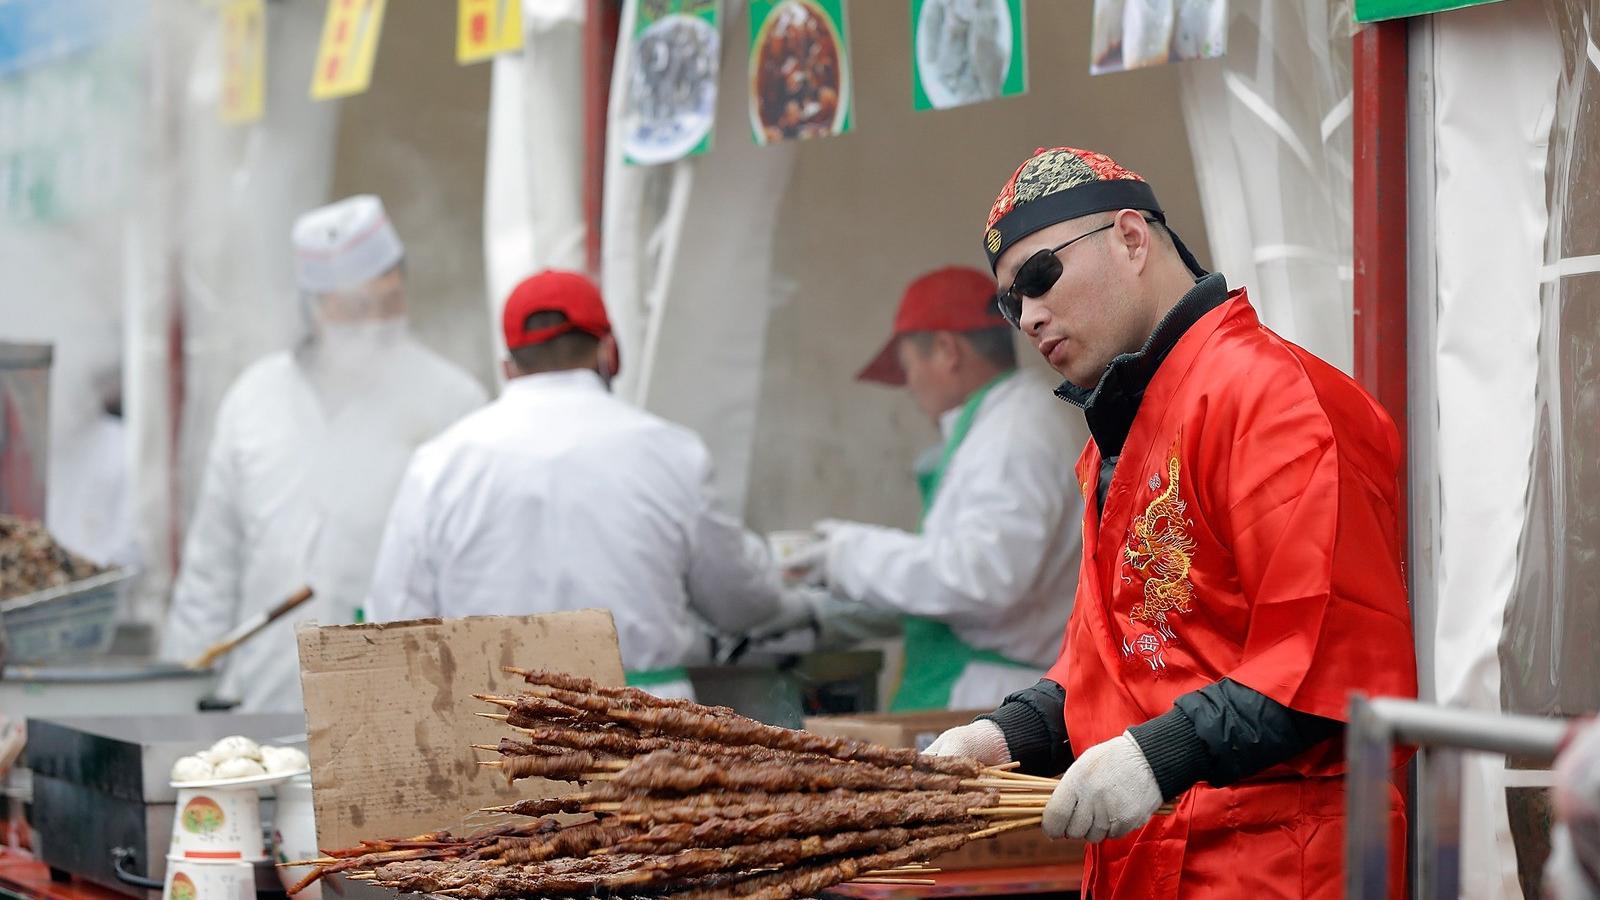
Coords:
487,28
244,61
349,45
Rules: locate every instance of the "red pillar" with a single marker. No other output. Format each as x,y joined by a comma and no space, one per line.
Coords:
1379,63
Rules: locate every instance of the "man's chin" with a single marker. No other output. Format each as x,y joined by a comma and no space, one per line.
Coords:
1077,378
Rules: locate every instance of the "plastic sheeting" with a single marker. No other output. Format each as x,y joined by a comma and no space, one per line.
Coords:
688,268
1491,125
533,215
1547,651
1270,128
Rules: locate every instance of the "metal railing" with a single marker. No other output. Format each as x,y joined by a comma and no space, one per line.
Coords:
1376,727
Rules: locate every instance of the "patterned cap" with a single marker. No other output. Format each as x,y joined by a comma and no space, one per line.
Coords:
1062,183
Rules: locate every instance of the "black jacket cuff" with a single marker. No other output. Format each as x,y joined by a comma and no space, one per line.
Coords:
1033,721
1174,750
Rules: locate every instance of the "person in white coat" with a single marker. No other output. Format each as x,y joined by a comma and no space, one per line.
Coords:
559,496
986,586
308,447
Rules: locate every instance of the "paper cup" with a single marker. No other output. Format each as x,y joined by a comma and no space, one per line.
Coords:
190,879
294,833
785,545
218,824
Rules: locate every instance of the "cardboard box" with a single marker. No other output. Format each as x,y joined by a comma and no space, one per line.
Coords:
1025,847
390,715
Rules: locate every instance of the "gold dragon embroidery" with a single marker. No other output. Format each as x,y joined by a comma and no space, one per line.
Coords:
1159,545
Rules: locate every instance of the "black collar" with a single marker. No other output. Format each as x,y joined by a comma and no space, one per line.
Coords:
1110,406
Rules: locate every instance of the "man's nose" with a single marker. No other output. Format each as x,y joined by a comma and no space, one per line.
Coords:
1034,316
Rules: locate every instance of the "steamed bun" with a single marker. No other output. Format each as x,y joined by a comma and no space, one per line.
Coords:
279,760
192,768
239,767
235,747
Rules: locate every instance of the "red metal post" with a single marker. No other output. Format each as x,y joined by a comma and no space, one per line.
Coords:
1379,63
600,26
1380,256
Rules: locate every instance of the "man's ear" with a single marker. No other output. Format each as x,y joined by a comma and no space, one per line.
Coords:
1134,233
947,348
610,357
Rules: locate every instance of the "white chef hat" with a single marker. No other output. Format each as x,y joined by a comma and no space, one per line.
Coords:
344,245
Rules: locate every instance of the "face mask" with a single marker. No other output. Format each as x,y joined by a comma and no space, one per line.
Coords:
356,345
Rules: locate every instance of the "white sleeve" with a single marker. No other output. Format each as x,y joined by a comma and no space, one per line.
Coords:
978,560
731,579
208,592
405,578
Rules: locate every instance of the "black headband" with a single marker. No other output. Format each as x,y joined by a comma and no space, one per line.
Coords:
1083,200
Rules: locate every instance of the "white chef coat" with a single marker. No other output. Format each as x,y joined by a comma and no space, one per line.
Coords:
559,496
298,481
997,558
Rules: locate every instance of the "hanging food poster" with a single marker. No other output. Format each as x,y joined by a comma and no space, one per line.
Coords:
1133,34
671,101
799,70
966,51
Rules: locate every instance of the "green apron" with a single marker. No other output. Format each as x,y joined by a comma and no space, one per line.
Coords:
934,656
649,678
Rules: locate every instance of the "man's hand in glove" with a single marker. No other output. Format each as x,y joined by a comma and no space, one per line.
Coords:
982,740
1107,792
810,566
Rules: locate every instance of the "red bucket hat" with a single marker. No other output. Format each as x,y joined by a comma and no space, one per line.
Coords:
956,298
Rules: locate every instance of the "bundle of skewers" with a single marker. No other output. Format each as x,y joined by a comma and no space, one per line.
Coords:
695,803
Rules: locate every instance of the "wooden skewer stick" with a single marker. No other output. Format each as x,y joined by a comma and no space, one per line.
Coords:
603,807
490,764
488,747
923,881
1007,767
498,717
1008,826
901,870
1006,811
501,702
319,861
1029,779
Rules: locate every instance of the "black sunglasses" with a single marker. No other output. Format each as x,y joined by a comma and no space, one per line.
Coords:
1036,276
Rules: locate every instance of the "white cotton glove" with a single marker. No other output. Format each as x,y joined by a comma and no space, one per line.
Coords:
982,740
1107,792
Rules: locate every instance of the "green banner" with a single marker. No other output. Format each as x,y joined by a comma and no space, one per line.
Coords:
1374,10
675,54
964,52
799,70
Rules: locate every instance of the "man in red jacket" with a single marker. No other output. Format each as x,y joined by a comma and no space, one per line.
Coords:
1241,564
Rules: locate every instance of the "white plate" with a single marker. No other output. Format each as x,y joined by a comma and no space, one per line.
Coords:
267,780
938,94
673,136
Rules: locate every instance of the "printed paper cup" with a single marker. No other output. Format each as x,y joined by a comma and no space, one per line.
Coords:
294,833
218,824
190,879
785,545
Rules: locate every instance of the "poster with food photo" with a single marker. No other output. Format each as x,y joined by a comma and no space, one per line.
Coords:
799,70
966,51
1133,34
671,101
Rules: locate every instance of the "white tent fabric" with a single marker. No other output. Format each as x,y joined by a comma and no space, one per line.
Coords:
688,265
1492,125
533,182
1269,124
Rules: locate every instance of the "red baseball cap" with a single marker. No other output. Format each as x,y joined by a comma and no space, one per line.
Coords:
552,290
955,298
